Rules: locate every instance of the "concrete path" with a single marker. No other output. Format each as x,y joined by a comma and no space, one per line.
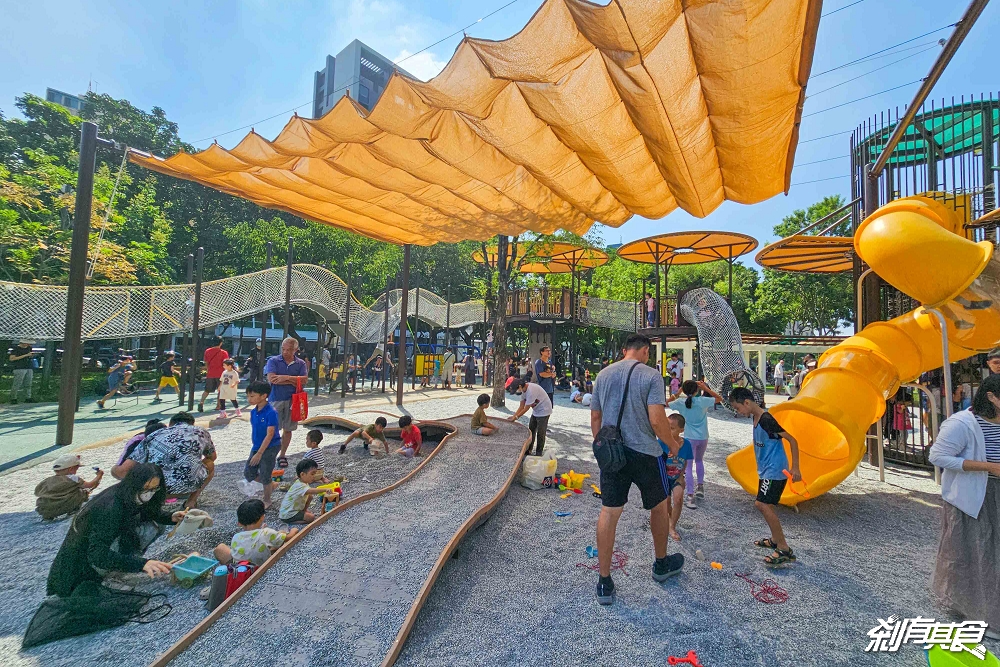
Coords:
28,430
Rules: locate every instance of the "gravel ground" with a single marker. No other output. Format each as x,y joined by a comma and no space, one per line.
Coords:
515,595
348,586
33,543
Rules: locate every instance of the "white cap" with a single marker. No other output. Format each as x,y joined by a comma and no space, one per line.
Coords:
66,461
26,341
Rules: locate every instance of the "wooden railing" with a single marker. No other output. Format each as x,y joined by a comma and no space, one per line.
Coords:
540,302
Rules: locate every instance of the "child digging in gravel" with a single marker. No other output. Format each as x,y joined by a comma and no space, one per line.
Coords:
771,464
314,452
64,492
295,506
480,424
369,434
411,437
674,466
254,542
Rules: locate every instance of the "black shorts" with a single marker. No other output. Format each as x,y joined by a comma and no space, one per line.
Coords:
263,470
647,472
769,490
212,384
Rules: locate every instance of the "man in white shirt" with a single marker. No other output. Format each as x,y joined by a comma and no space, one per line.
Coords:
779,376
675,366
534,397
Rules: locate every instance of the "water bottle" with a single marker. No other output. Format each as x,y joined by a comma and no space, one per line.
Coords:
217,593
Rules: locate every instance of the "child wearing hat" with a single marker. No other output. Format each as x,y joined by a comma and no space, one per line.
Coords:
64,492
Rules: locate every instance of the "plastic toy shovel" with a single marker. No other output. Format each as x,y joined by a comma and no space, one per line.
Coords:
791,485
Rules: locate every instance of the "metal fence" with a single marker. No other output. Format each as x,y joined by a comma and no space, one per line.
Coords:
949,152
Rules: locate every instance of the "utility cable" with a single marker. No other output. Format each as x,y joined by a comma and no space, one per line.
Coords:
840,9
860,76
352,82
844,104
820,180
880,51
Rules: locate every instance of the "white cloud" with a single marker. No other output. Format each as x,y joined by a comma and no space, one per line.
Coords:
424,66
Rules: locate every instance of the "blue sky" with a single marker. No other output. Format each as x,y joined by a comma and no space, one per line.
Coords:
217,66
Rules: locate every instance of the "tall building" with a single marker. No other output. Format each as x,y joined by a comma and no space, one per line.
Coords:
71,102
357,70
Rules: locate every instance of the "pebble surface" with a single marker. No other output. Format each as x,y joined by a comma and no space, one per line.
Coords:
514,593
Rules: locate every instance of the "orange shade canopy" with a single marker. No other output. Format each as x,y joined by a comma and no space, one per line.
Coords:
491,255
591,113
688,248
809,254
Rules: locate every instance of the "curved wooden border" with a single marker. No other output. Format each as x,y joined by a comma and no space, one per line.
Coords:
184,642
449,549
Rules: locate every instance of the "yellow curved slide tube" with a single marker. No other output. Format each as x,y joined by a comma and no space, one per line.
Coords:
914,244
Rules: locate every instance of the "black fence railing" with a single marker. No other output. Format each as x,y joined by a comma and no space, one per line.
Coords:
949,152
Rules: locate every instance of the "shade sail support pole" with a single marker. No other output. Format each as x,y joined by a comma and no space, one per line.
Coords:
401,345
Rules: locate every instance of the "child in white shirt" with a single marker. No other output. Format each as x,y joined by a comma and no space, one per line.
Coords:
229,385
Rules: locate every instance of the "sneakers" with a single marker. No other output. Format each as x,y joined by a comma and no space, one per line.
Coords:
201,407
605,591
699,491
239,413
668,566
100,404
343,448
223,414
156,400
690,503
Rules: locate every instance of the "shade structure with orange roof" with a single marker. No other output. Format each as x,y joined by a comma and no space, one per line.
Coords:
688,248
809,254
591,113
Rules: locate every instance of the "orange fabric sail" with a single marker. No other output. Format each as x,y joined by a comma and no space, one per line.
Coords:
589,114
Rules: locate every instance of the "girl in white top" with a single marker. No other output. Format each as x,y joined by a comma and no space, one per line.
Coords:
229,385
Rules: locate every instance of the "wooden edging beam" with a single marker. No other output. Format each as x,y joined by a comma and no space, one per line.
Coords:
184,642
443,557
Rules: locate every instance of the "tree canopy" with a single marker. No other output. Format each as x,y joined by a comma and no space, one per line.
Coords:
806,303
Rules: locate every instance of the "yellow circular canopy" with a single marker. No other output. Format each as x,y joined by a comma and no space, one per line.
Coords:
560,257
688,248
491,254
809,254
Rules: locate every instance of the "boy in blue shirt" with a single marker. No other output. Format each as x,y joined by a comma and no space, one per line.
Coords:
771,464
672,469
264,423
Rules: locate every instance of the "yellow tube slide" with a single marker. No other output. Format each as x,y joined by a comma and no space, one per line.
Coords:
914,244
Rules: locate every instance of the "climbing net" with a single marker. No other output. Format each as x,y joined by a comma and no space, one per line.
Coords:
621,315
38,312
720,346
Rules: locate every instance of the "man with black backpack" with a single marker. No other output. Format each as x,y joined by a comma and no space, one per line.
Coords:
627,415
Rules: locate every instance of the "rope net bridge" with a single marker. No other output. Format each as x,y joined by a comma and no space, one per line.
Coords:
38,312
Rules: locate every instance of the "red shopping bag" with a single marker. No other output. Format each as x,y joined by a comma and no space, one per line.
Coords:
300,403
238,573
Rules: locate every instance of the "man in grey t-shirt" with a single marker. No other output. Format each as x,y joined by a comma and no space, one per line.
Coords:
644,419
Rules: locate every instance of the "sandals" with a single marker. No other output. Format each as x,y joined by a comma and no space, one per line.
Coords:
282,462
779,557
765,543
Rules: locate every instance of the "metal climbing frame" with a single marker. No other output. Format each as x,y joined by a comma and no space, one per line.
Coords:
720,345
